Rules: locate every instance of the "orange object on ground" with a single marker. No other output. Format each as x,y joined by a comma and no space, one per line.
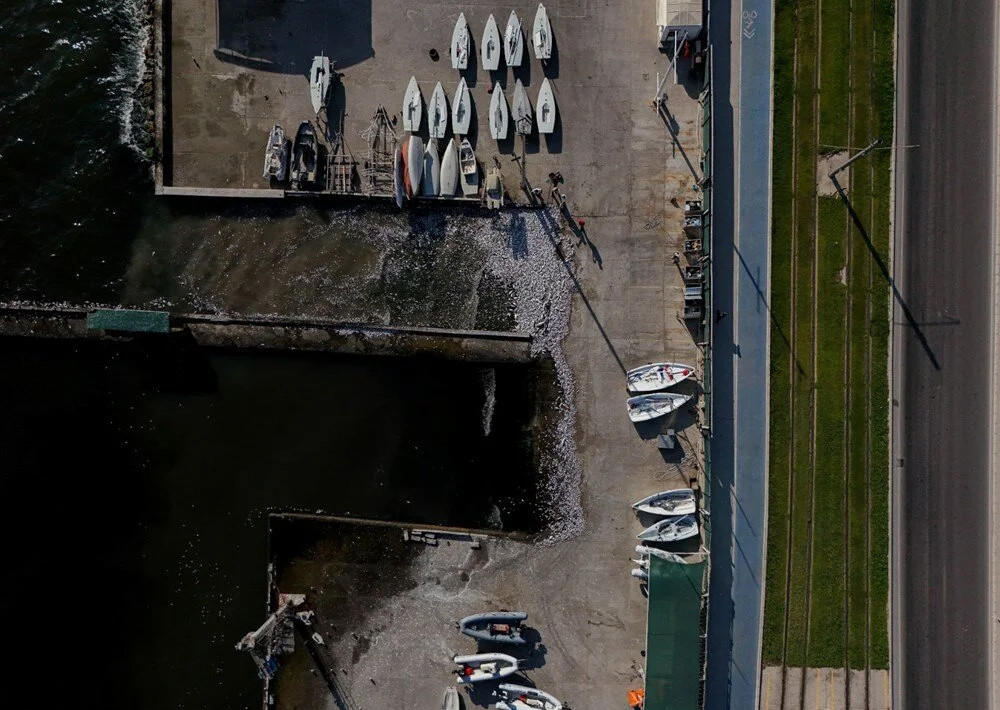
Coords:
636,698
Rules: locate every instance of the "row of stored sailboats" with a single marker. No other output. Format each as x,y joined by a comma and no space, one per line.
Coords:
520,112
511,46
421,170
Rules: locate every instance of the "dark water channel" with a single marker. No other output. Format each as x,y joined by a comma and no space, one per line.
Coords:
137,480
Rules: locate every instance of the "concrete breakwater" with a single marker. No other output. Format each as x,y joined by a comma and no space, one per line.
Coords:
273,333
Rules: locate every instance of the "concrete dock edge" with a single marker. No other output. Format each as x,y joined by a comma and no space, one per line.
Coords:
288,334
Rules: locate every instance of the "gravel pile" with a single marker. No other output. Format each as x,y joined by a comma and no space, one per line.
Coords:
525,251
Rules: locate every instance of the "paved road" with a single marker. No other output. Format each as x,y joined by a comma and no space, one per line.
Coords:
941,377
740,271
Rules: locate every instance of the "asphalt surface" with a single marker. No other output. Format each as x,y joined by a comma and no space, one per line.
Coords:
941,353
740,35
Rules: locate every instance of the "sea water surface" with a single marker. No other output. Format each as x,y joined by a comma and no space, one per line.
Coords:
73,175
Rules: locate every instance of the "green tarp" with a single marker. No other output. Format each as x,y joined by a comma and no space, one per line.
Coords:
673,665
129,320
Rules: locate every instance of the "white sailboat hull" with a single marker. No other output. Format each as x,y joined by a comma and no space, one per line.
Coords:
521,109
460,44
650,406
513,41
541,34
415,162
319,82
499,115
670,530
680,501
437,113
461,109
545,108
657,376
412,107
449,171
490,49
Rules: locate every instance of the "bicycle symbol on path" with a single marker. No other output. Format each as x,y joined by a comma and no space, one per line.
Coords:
749,18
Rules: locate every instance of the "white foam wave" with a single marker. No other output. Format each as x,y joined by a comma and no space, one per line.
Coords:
130,66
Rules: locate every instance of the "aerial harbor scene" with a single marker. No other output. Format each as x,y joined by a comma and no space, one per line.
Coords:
462,356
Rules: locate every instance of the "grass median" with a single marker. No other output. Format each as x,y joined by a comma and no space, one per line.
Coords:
827,566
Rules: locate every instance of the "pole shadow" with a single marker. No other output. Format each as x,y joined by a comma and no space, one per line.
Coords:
910,320
550,66
471,71
551,229
673,128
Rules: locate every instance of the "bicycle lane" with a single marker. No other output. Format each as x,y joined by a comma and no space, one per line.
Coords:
741,353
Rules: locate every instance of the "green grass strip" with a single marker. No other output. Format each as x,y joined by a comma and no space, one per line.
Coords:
802,373
842,58
834,72
781,347
826,623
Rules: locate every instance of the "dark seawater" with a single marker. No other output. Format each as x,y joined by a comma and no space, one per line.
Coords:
73,177
137,479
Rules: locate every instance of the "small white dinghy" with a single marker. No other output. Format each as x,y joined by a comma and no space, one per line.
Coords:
319,81
521,109
412,107
437,113
657,376
461,109
513,41
541,34
469,168
432,170
499,115
450,699
490,48
415,162
449,170
670,529
640,573
650,406
460,44
545,108
680,501
484,666
397,177
522,697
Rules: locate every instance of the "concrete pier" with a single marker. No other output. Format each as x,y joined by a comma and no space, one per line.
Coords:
283,334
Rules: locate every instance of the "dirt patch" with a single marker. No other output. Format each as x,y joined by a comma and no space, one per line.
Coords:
826,165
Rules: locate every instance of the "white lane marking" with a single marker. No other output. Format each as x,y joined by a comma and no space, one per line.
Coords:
749,19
